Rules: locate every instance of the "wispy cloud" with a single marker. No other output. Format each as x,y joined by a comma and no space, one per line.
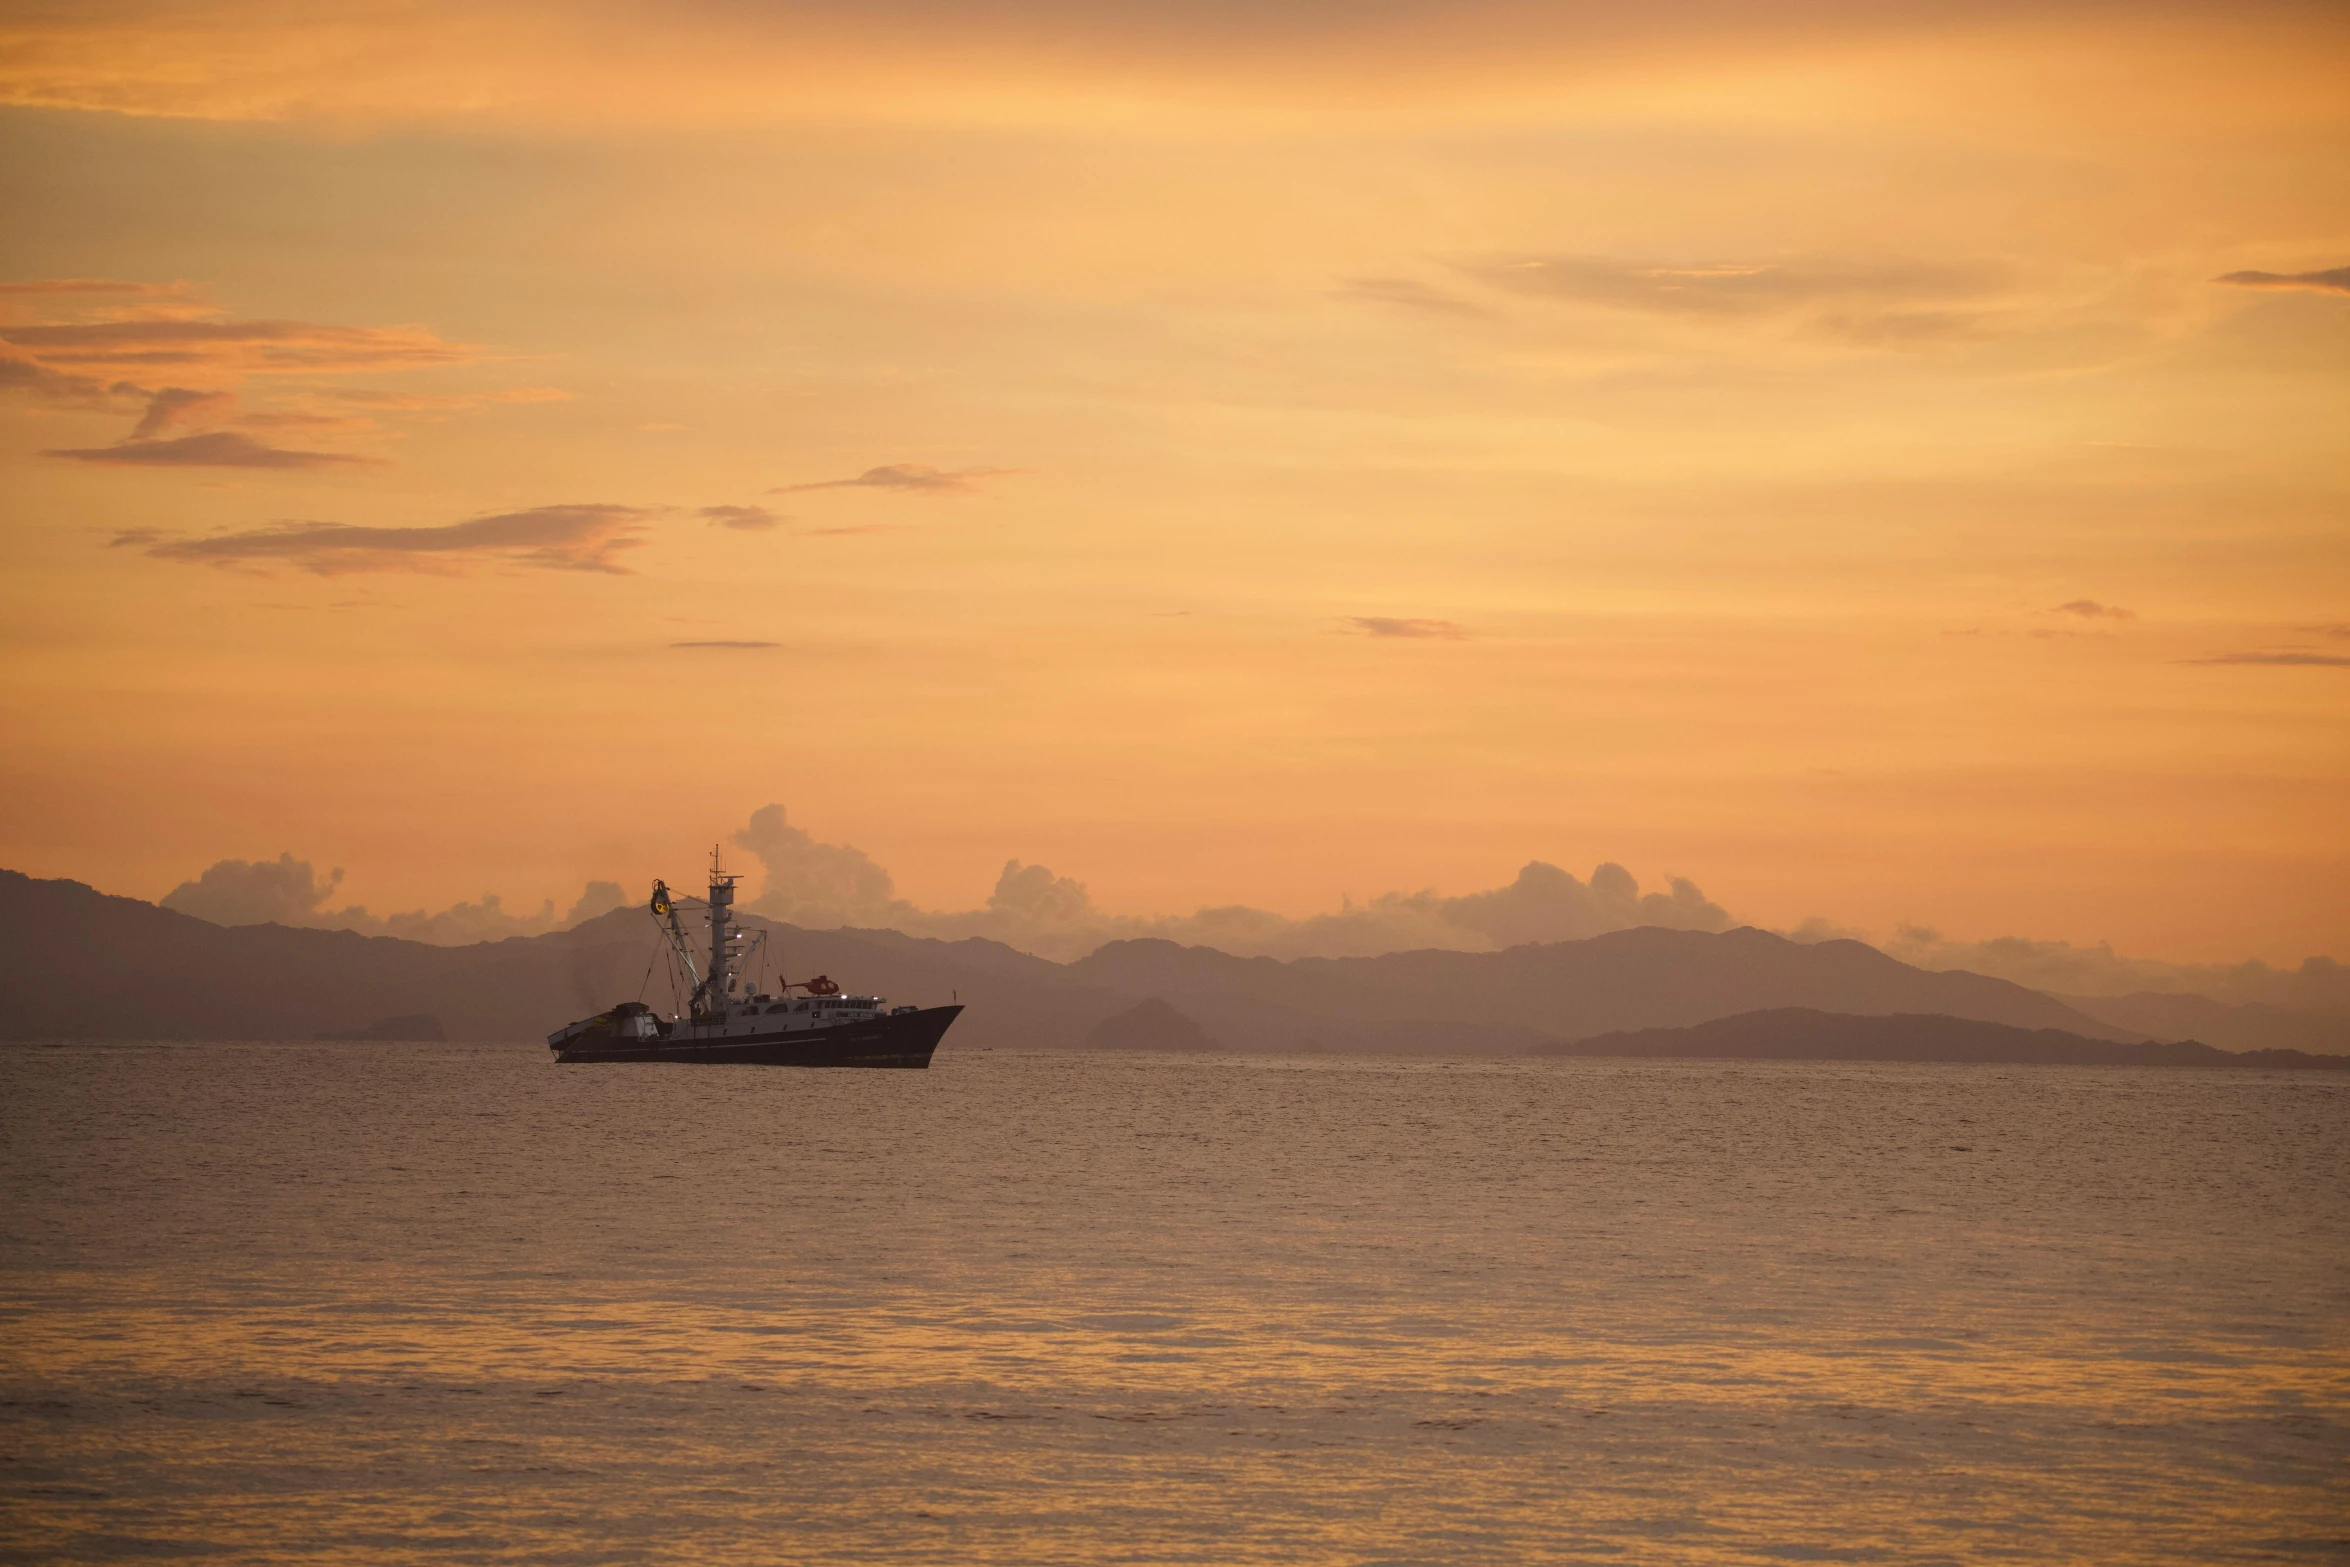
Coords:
180,405
1895,304
736,646
2333,280
213,449
648,65
2336,629
915,477
71,286
237,346
575,537
64,357
1410,295
1732,287
2288,659
21,373
443,402
2090,609
1392,626
748,519
296,419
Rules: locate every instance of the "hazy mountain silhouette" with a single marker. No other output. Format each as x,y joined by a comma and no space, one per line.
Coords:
1804,1034
81,964
2251,1025
1641,978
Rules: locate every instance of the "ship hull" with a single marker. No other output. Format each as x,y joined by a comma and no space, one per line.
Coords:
903,1040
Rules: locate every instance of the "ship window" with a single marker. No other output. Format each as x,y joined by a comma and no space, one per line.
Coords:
780,1006
802,1007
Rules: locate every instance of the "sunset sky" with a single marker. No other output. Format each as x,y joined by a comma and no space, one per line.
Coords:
1888,462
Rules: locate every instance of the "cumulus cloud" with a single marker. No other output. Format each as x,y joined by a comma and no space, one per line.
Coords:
212,449
914,477
1391,626
747,519
459,925
287,891
2090,609
1545,901
283,891
820,885
2333,280
576,537
595,899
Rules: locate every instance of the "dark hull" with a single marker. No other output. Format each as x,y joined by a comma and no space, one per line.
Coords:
904,1040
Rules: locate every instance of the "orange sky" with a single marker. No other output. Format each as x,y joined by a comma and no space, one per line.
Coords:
1226,453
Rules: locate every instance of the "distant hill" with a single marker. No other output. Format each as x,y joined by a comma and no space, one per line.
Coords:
1803,1034
75,963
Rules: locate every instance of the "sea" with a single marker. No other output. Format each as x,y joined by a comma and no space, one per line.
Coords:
454,1304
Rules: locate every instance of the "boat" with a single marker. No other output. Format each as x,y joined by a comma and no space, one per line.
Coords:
729,1020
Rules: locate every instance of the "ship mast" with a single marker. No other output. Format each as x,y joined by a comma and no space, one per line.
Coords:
721,972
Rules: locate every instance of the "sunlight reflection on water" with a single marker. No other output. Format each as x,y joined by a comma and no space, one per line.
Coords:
399,1302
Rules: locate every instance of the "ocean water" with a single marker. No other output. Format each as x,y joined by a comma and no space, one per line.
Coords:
453,1304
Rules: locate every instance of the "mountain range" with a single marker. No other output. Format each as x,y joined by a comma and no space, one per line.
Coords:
84,964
